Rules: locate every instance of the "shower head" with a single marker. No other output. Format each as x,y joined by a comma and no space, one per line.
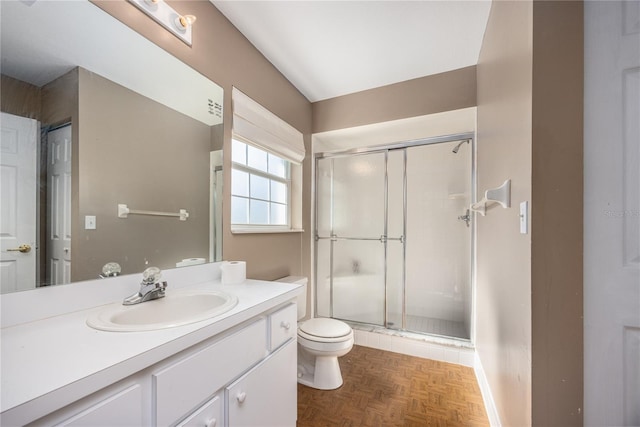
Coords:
457,147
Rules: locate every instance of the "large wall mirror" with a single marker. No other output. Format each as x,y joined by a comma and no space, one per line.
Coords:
94,117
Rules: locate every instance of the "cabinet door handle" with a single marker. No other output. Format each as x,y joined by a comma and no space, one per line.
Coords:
241,396
286,325
211,423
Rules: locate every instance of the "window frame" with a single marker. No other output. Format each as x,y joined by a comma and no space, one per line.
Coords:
253,227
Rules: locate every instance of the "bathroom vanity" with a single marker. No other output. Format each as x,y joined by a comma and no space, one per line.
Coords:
238,368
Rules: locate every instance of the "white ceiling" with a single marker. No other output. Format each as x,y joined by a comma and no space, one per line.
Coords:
332,48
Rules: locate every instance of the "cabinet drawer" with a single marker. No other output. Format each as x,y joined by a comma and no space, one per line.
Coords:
209,415
179,388
122,409
283,325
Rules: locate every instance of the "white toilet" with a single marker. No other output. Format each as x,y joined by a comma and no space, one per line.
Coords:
320,342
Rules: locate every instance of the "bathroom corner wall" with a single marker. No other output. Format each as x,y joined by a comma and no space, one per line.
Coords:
224,55
529,287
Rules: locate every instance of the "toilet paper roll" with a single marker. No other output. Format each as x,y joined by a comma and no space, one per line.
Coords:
233,272
190,261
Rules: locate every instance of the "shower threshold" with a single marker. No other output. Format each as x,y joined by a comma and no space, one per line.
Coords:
433,326
425,336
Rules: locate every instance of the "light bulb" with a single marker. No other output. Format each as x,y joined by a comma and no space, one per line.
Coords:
181,23
184,21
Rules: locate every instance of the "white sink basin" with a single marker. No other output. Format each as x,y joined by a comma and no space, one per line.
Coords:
177,308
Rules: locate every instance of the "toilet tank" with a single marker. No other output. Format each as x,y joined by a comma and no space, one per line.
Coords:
302,298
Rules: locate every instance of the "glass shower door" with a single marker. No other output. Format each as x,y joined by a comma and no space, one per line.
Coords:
438,291
351,207
395,237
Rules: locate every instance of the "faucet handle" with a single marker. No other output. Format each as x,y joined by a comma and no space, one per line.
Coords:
151,275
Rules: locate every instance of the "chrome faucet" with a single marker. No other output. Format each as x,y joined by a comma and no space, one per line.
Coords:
150,287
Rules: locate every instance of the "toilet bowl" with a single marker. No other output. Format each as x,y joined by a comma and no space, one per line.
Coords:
320,342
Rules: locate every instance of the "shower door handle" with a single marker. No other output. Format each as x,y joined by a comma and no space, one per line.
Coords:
399,239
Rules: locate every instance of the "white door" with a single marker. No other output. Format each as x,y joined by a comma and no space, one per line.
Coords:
18,184
612,213
59,201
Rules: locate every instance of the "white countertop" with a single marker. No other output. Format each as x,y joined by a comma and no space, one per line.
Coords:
51,362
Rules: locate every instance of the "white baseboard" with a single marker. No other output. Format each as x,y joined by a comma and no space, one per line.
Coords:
485,390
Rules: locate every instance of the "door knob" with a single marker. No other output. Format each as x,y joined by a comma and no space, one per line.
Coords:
241,396
22,248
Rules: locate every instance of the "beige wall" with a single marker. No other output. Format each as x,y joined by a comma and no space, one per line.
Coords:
224,55
503,266
20,98
529,287
60,99
448,91
556,213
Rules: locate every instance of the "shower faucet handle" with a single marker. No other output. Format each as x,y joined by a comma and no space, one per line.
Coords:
466,217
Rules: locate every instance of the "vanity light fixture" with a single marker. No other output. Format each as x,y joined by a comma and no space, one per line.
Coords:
165,15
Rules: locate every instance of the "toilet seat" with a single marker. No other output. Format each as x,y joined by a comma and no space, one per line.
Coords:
325,330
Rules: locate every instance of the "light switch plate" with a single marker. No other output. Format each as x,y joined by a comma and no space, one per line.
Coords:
90,222
524,217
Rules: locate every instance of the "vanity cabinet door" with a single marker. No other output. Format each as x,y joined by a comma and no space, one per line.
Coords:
267,394
182,386
283,325
209,415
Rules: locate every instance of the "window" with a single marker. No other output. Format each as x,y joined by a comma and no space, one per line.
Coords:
260,188
266,172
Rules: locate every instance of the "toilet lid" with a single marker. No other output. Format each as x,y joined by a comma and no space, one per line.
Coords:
325,328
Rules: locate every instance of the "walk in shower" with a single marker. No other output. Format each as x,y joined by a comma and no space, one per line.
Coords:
394,238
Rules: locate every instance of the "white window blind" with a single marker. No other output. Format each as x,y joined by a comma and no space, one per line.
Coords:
264,129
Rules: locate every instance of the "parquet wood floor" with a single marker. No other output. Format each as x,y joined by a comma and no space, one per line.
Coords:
382,388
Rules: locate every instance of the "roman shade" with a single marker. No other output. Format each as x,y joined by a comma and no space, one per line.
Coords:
260,127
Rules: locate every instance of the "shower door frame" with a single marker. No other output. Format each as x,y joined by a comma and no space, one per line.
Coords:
386,148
